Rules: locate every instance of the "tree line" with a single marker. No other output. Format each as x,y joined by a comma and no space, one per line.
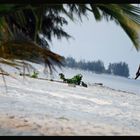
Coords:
120,68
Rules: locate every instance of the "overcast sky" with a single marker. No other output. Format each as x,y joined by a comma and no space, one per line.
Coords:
98,40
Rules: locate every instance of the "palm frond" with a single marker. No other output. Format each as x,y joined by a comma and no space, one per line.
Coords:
22,48
127,16
20,38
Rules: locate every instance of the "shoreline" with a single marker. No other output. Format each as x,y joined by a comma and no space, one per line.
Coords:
89,84
127,92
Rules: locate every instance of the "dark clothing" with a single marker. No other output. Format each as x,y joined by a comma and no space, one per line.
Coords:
138,73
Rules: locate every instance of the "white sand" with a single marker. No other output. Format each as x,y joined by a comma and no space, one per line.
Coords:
38,107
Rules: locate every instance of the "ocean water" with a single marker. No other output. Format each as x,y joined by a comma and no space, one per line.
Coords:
114,82
111,81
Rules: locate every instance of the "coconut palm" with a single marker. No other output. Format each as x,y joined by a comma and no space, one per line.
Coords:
21,31
26,30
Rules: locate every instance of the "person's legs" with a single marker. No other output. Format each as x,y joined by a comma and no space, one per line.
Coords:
138,74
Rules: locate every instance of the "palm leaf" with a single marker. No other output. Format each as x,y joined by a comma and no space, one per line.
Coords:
22,48
127,16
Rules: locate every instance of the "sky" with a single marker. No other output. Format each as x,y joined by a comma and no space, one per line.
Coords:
94,41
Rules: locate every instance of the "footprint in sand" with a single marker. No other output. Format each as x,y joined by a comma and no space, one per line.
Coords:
39,126
63,118
11,117
24,125
25,120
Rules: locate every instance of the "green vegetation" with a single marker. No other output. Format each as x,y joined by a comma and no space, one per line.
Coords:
120,68
74,80
35,75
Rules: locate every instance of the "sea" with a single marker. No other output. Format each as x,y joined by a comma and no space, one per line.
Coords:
111,81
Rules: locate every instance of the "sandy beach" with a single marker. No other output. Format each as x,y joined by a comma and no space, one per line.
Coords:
40,107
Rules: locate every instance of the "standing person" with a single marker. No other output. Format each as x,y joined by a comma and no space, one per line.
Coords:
138,73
